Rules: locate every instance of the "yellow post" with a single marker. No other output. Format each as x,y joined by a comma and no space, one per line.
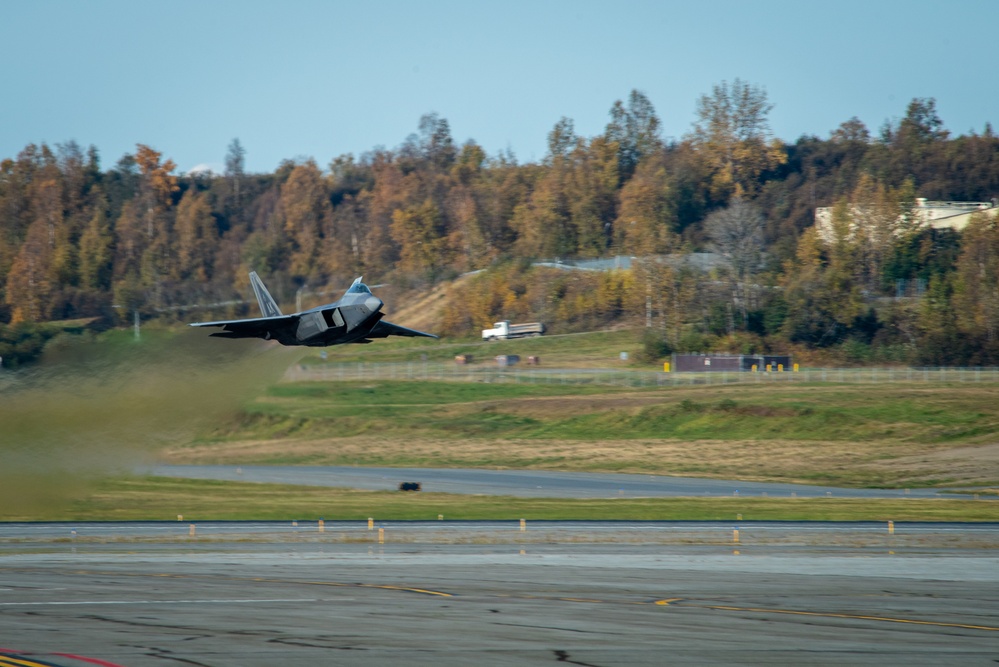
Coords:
381,536
796,368
322,526
440,517
768,368
780,368
891,527
754,368
371,523
180,517
666,367
523,525
191,530
735,535
738,517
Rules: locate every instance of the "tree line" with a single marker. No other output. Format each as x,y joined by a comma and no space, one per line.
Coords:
79,240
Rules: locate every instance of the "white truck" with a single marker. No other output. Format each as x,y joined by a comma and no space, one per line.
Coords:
504,330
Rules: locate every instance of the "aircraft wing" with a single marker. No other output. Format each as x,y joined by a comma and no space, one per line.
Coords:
385,329
254,327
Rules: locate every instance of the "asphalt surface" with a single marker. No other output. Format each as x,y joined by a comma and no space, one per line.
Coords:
523,483
581,593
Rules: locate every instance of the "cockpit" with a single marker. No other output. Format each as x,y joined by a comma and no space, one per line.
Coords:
358,288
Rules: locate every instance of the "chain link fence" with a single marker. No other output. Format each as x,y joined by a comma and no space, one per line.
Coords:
435,371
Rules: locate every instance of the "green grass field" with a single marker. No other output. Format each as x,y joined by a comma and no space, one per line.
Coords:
887,435
162,499
923,414
598,349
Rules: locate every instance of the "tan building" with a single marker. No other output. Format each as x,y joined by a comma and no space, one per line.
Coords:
937,214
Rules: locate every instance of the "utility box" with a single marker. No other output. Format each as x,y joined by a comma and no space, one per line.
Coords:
776,362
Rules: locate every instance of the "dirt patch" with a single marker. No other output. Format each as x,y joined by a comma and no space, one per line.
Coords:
423,311
972,465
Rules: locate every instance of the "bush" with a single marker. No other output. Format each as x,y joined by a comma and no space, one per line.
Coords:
727,405
654,347
687,405
22,343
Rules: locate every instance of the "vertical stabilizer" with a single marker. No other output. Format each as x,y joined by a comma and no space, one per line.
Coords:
268,306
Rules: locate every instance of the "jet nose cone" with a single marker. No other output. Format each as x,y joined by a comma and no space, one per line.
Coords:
373,304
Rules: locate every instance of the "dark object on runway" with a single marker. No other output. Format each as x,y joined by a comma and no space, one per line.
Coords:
409,486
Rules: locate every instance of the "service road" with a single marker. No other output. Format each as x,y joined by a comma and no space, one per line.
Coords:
522,483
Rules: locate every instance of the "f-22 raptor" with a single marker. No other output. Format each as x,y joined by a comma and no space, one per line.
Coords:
354,318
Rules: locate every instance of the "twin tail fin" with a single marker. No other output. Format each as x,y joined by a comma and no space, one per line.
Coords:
268,306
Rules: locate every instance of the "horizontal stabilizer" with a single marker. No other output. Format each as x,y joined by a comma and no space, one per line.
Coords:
257,327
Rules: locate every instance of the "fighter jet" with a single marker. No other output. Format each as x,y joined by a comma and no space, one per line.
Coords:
355,318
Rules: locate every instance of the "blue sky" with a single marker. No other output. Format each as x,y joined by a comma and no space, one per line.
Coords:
319,79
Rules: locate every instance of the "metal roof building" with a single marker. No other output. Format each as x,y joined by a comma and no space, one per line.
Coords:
708,363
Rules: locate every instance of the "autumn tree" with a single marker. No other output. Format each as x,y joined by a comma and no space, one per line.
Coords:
941,341
464,208
29,286
543,222
157,186
235,174
876,217
130,244
306,210
822,298
196,238
47,254
663,297
591,187
732,135
736,233
503,185
425,246
436,145
97,247
977,288
635,129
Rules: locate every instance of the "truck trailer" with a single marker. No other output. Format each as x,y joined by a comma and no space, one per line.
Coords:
504,330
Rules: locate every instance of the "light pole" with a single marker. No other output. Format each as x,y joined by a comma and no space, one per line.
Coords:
135,320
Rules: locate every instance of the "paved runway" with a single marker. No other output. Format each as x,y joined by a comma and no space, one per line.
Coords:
485,593
524,483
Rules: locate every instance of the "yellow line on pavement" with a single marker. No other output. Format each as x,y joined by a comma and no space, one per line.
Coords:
861,617
10,661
